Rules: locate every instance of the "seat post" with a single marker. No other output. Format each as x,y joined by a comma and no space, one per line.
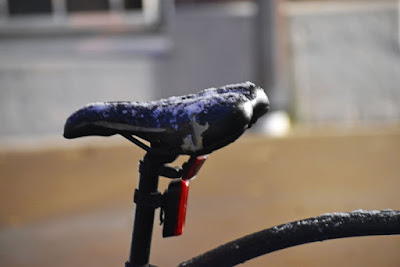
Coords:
149,170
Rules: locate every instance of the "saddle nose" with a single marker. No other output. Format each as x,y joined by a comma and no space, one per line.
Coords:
260,107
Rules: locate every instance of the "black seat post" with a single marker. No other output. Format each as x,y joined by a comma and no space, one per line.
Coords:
149,171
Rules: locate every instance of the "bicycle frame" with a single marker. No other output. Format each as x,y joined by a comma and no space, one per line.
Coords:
148,198
149,171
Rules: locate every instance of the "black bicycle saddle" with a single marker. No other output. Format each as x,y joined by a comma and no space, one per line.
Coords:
193,124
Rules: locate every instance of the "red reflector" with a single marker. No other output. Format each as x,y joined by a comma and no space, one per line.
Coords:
194,167
180,225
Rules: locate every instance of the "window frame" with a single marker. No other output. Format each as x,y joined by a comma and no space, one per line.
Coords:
60,21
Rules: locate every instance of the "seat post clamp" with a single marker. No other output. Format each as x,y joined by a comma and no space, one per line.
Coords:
153,200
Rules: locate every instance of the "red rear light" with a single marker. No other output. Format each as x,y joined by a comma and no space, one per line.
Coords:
177,197
181,217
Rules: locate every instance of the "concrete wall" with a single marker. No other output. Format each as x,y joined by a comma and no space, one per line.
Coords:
213,46
346,62
44,79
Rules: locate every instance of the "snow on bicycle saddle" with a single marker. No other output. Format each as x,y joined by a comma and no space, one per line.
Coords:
193,124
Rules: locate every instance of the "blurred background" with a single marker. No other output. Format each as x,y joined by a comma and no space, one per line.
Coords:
331,141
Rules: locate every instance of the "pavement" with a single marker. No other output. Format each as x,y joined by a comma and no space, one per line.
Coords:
72,206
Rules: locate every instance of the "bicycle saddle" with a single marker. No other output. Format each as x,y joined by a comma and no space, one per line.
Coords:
193,124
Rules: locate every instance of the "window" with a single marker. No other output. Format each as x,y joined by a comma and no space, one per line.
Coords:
51,16
132,4
40,7
87,5
24,7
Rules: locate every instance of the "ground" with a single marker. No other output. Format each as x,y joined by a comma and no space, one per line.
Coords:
72,206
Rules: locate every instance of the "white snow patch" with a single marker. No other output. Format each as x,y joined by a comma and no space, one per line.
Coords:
371,212
194,108
194,141
247,107
342,214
